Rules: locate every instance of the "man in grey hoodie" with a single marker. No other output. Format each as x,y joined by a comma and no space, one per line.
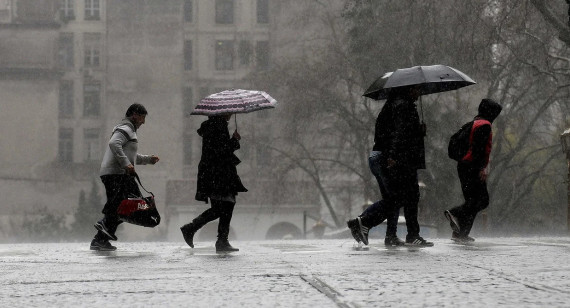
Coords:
117,170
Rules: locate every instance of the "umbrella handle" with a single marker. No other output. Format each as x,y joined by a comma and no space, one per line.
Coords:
422,109
423,124
235,119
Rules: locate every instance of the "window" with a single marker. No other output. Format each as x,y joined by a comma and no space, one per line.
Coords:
91,139
224,55
65,52
225,12
4,5
262,54
66,10
188,10
92,10
187,145
262,11
66,99
91,99
188,101
187,55
245,50
92,42
65,148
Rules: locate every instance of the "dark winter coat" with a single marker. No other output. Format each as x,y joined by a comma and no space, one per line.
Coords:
217,173
480,145
399,134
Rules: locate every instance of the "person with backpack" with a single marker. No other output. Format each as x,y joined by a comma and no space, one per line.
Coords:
471,148
218,180
117,174
397,155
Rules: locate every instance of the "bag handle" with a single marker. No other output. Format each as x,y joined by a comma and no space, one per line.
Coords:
139,180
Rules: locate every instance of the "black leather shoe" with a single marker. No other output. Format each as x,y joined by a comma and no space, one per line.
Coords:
188,232
224,246
393,241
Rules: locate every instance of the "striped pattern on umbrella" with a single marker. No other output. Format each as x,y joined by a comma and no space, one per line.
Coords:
234,101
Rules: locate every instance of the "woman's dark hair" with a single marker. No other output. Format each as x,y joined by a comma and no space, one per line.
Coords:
136,108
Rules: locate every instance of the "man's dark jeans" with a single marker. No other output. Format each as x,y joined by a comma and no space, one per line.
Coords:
399,188
475,194
118,187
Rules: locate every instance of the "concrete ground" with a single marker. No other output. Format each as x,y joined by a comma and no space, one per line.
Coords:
505,272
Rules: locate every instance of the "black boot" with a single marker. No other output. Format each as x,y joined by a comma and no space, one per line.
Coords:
226,210
224,246
188,232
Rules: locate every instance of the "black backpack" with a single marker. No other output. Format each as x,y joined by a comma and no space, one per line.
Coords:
459,142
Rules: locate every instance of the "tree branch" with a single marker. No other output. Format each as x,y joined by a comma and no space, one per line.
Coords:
560,26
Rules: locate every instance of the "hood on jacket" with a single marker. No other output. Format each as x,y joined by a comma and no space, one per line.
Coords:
210,123
129,123
489,109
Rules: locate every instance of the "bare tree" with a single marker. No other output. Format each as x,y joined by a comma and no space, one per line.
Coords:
555,20
504,45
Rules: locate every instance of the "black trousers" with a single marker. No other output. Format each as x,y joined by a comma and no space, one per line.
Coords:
399,188
218,209
475,194
118,187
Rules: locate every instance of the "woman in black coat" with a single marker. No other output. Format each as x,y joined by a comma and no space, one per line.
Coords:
217,180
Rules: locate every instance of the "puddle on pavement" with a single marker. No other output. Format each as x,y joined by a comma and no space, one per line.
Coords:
296,248
117,254
16,253
484,246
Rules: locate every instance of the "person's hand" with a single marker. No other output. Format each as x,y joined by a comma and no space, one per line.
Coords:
130,169
154,159
236,135
483,175
391,163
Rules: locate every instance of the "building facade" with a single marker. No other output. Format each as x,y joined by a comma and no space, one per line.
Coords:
70,68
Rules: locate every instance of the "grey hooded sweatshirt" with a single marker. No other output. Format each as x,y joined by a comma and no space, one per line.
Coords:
122,150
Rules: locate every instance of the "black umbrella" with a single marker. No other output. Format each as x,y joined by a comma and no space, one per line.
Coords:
430,79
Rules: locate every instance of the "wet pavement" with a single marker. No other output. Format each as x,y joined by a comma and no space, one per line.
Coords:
506,272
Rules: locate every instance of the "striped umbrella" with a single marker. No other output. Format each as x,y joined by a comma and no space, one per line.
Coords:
234,101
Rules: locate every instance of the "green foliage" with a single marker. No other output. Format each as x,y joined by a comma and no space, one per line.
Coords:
42,226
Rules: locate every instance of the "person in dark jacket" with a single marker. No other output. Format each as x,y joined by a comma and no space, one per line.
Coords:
472,171
218,180
397,154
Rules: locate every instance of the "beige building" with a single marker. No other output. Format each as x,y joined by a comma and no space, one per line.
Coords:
70,68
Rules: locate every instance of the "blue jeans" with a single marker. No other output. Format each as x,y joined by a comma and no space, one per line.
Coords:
399,188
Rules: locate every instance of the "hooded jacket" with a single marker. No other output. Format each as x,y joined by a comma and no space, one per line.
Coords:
122,150
399,135
217,172
481,137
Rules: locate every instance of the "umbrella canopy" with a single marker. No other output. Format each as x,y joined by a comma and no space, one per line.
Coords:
234,101
430,79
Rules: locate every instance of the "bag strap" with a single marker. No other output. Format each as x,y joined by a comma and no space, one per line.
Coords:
139,180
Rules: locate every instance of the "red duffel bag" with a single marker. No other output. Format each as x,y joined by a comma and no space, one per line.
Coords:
139,211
